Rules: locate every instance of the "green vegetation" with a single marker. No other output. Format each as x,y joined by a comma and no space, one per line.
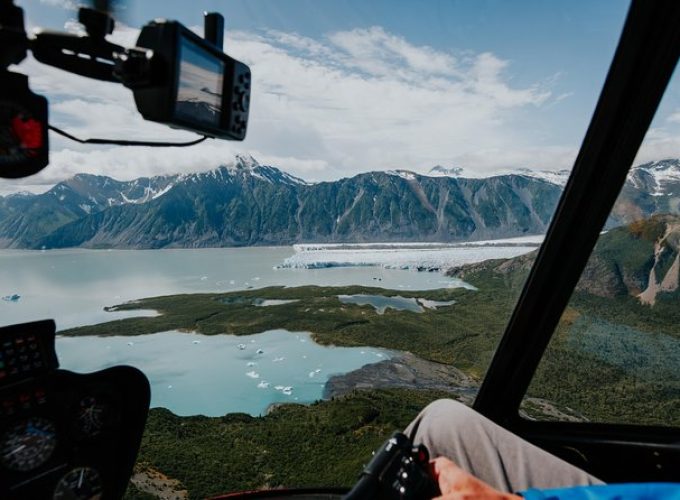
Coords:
323,444
610,379
611,359
134,493
663,317
464,334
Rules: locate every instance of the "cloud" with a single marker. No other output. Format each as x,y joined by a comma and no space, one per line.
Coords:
350,102
674,117
64,4
659,143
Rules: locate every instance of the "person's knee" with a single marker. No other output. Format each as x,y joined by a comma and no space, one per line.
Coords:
442,416
448,410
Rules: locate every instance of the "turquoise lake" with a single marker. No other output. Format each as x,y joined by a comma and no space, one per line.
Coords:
193,374
218,374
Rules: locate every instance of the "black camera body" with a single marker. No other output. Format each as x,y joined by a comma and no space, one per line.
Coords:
24,146
193,85
398,471
177,78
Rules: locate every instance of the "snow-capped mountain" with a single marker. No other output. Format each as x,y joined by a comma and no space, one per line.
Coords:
659,178
101,191
244,167
439,171
558,178
246,203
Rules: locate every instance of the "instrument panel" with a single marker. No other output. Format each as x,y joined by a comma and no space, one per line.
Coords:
63,435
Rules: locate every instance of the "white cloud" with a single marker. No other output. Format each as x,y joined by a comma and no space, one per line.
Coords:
354,101
674,117
659,143
64,4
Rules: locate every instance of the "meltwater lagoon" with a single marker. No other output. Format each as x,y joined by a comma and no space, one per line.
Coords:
212,375
217,374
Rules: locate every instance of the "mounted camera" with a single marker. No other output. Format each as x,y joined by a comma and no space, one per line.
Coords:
23,114
185,81
177,78
397,471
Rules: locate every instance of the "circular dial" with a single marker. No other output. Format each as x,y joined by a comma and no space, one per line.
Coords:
81,483
28,445
90,416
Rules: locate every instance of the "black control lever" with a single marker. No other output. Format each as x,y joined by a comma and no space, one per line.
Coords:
398,470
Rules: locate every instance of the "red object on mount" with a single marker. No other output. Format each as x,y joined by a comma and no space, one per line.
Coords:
29,132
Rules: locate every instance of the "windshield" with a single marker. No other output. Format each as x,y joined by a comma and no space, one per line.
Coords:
615,353
296,297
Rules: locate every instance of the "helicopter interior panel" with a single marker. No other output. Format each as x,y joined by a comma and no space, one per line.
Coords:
64,435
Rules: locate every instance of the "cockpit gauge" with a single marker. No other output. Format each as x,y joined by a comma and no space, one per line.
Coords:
81,483
91,414
28,444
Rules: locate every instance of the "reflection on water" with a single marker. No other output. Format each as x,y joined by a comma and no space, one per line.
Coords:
274,302
381,303
212,375
435,304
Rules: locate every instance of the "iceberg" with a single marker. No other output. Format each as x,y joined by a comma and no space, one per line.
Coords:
253,374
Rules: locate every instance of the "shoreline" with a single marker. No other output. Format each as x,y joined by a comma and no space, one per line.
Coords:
404,371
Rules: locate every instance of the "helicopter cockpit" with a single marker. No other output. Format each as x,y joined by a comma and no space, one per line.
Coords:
67,435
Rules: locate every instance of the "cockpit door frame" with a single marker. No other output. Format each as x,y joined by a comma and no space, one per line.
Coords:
643,64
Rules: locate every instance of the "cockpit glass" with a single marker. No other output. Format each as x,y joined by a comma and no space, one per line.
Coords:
615,356
296,297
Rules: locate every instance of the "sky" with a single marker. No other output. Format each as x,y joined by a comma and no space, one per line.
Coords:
348,86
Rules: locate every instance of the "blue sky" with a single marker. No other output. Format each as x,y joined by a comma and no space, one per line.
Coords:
343,87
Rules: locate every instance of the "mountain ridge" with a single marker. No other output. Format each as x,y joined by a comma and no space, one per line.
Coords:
247,203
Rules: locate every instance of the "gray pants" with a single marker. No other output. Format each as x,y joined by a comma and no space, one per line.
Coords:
489,452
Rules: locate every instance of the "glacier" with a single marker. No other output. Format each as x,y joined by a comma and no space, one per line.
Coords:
408,256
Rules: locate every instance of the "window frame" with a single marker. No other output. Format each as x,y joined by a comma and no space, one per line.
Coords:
642,66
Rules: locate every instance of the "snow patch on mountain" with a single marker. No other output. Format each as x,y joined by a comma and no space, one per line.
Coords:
554,177
244,166
660,177
404,174
559,177
440,171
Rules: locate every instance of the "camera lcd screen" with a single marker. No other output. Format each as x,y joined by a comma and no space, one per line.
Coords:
199,89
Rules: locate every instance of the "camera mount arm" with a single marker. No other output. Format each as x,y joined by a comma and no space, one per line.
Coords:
177,78
89,55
